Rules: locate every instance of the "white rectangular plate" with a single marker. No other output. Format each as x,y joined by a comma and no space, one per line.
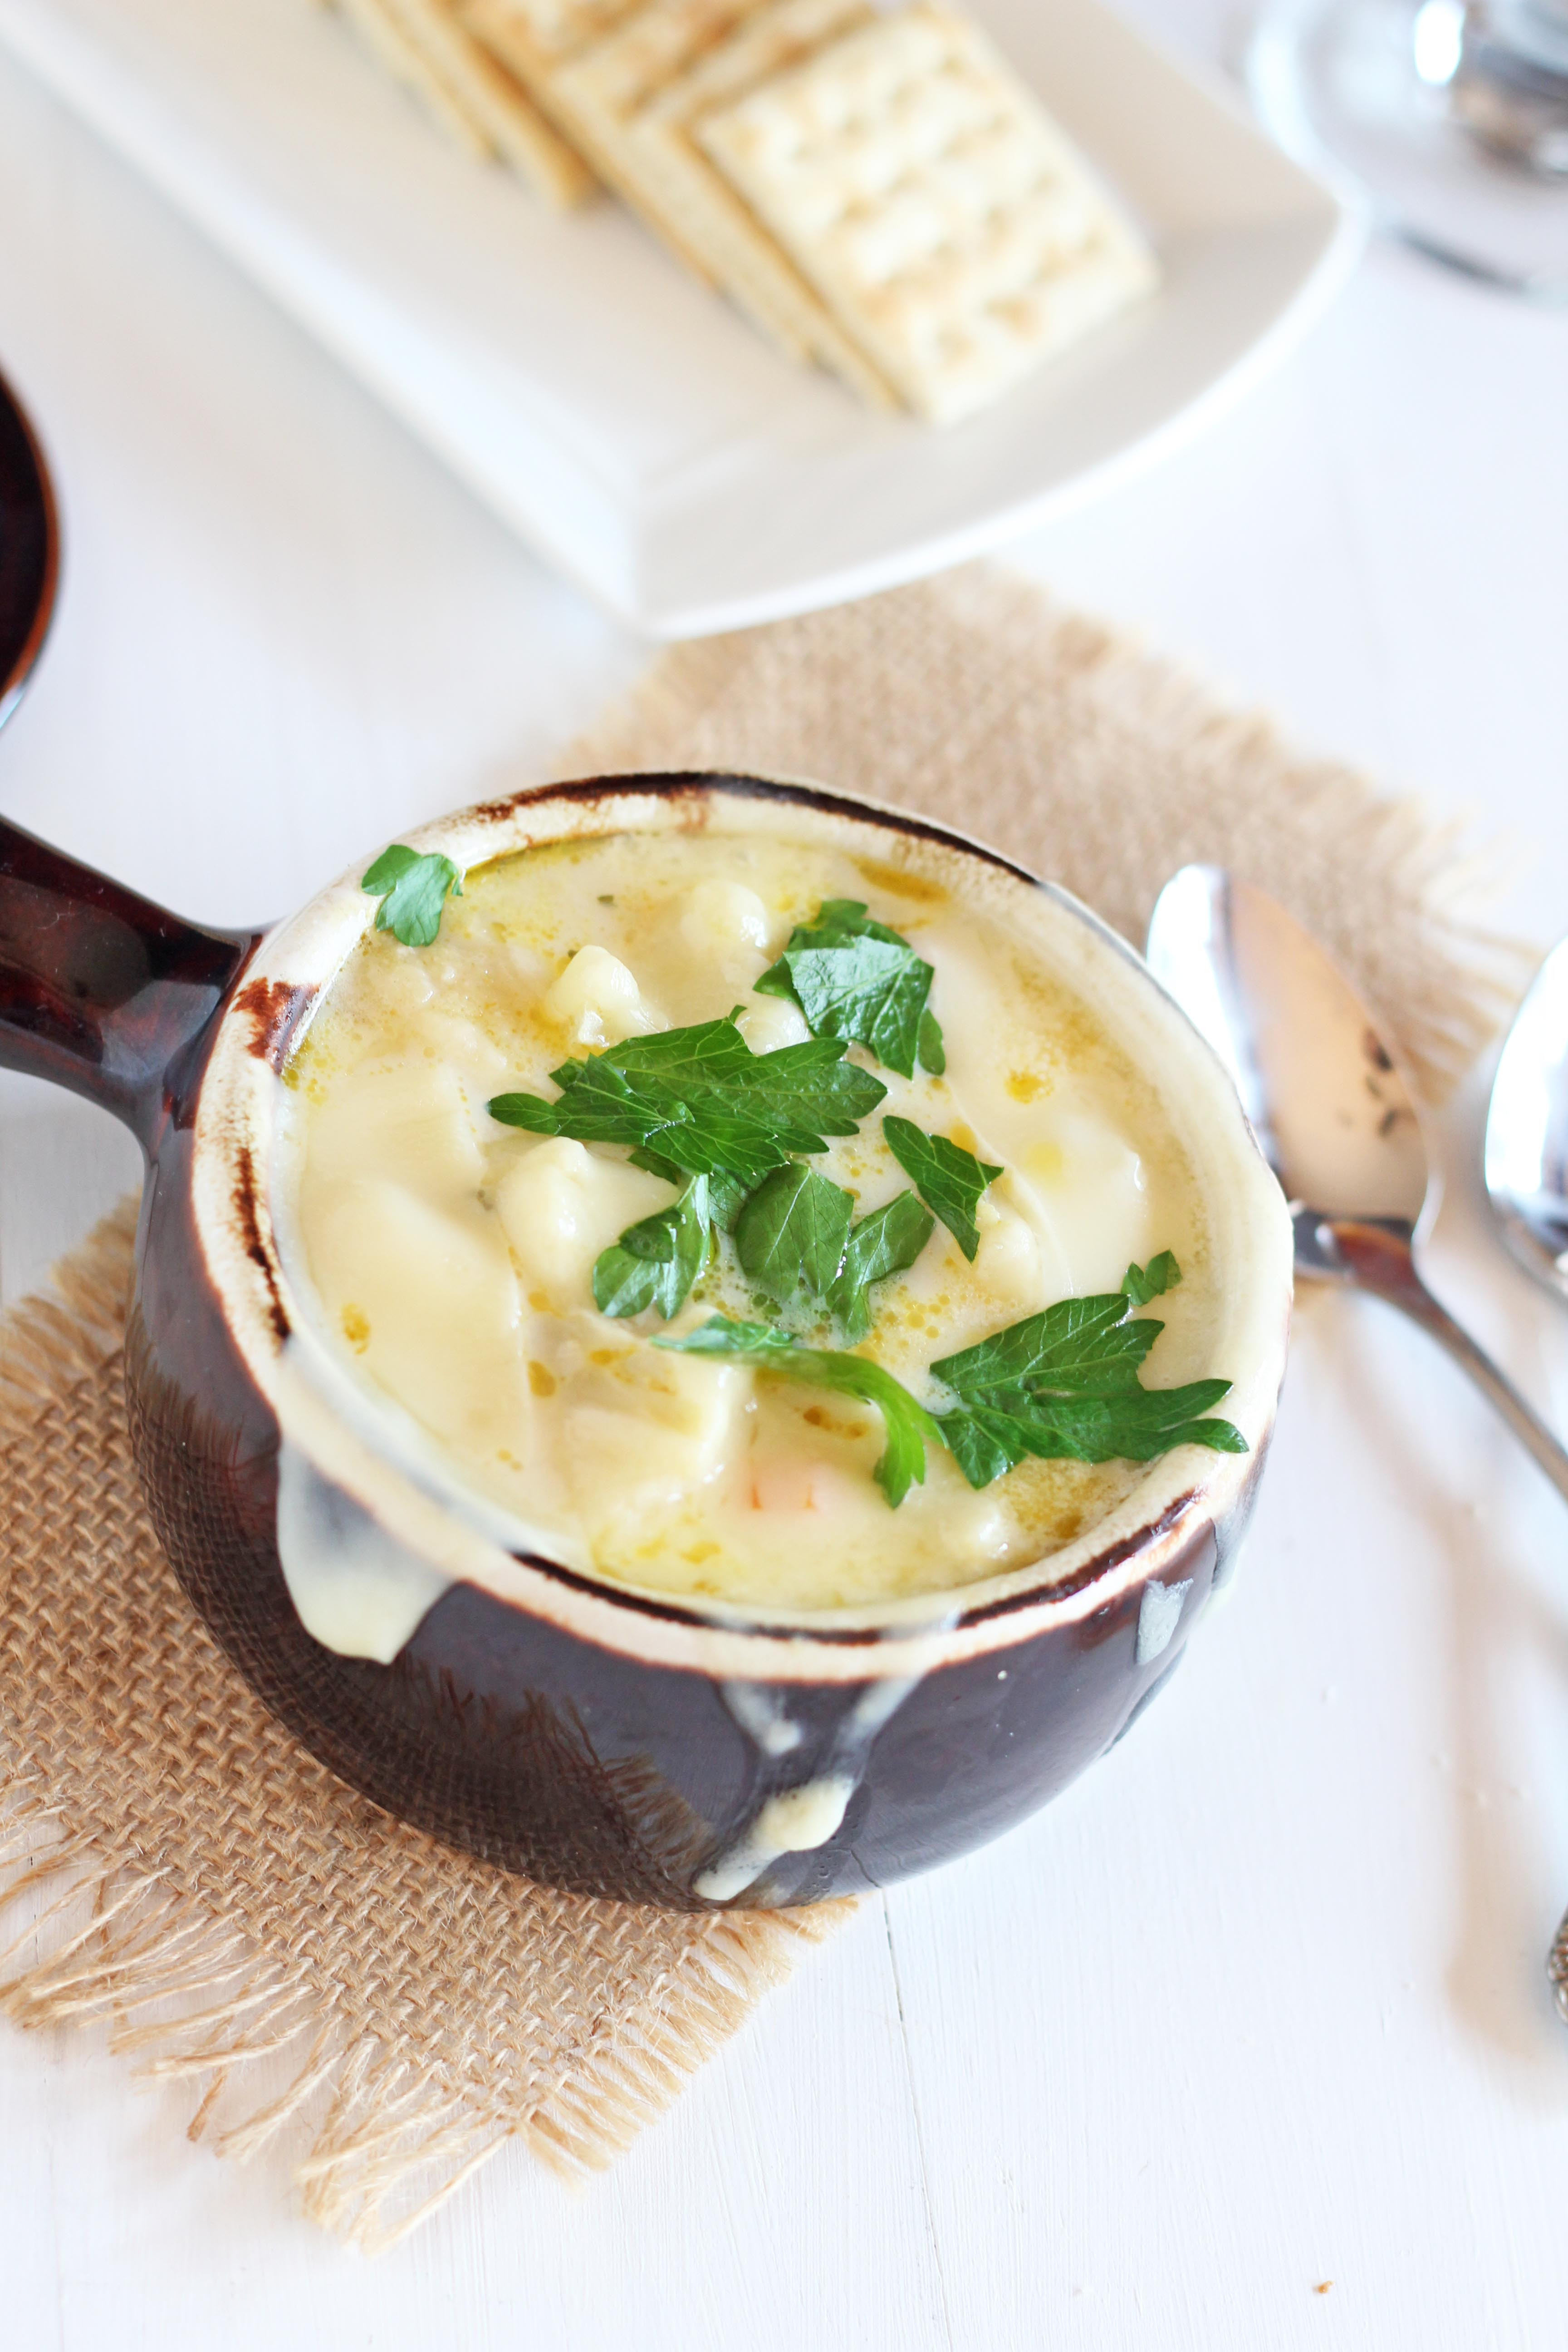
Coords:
634,431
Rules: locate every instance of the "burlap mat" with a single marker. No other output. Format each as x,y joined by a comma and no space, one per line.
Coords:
327,1978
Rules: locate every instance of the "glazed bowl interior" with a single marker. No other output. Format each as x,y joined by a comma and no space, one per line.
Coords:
354,1436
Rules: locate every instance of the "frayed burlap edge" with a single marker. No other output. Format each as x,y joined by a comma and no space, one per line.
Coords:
193,1998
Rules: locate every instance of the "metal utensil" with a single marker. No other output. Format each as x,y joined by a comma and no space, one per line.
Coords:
1447,119
1504,66
1526,1156
1331,1111
1526,1164
1339,1129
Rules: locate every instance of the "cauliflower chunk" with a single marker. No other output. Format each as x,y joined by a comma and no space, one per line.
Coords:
559,1206
596,1000
1008,1259
722,919
770,1021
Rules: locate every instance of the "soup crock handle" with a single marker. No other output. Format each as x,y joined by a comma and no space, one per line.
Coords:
101,990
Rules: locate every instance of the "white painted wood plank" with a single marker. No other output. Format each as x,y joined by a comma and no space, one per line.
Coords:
1368,550
1270,1976
63,1165
779,2204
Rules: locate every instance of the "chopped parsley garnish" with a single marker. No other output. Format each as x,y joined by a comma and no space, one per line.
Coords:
726,1194
794,1234
731,1130
909,1427
885,1243
1143,1283
1064,1386
949,1180
854,978
699,1101
413,890
791,1234
655,1262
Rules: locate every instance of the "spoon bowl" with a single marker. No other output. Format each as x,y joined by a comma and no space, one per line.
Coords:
1333,1116
1339,1126
1329,1106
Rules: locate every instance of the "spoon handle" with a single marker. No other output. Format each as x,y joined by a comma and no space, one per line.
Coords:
1378,1258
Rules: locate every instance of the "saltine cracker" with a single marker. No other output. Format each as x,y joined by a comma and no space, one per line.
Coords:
594,95
530,34
712,220
495,101
533,39
925,191
385,37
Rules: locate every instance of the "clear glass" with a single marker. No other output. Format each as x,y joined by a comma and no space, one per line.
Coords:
1448,123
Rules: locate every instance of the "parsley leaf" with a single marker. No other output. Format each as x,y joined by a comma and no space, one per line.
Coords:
1143,1283
700,1101
532,1113
808,1091
948,1179
726,1198
867,990
726,1194
722,1336
1078,1347
654,1262
1134,1427
854,978
597,1104
886,1242
708,1053
413,889
1064,1386
983,1450
792,1231
909,1428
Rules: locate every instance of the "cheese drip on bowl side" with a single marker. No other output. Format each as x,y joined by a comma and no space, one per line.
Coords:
453,1257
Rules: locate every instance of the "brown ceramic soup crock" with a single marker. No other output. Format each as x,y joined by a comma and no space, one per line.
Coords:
598,1737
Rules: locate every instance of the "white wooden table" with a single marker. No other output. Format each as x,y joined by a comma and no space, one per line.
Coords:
1258,2005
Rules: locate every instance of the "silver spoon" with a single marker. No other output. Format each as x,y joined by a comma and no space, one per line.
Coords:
1526,1164
1527,1129
1330,1109
1339,1129
1504,66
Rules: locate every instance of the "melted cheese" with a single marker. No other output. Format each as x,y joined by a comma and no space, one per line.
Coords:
453,1257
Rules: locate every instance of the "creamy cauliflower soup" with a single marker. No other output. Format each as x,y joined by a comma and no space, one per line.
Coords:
760,1222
